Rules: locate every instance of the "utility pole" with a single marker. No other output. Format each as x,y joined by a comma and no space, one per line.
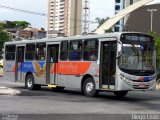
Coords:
86,16
151,10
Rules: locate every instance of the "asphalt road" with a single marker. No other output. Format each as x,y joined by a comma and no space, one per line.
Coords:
69,102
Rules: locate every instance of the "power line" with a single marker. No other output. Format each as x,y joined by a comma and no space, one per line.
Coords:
24,11
36,13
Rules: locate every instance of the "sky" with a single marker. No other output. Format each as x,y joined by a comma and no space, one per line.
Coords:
97,9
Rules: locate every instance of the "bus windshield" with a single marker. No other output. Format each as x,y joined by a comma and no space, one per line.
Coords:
137,57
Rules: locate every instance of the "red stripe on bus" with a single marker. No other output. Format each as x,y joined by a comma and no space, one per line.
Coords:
78,68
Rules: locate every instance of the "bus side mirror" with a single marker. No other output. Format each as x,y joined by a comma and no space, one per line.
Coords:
119,49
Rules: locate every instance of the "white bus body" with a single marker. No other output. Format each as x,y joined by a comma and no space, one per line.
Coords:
90,63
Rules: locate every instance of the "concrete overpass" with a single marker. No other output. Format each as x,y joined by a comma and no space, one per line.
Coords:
112,21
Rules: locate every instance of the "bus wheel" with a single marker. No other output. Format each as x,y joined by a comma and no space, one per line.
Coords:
120,94
29,83
89,88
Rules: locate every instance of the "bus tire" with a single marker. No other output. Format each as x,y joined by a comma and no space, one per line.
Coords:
89,88
158,79
120,94
29,83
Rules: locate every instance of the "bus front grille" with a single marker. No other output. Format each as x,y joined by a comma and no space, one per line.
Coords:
140,87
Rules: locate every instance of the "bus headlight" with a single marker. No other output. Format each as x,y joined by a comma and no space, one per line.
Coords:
122,76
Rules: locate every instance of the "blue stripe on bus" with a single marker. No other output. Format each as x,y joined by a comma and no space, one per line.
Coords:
28,66
147,79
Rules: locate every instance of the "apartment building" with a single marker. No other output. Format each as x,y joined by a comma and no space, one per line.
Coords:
120,5
65,16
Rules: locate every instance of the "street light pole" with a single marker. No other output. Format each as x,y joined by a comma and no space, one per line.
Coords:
151,10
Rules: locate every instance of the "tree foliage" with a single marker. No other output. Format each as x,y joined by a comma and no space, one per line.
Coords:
4,37
100,21
16,24
157,45
20,24
157,48
2,25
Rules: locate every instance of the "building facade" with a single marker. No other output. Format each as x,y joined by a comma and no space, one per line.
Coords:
130,2
65,16
120,5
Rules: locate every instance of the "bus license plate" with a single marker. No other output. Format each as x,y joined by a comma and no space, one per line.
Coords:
142,85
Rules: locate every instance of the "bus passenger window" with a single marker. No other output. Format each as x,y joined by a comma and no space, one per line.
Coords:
30,52
40,51
93,57
75,51
64,51
90,52
10,52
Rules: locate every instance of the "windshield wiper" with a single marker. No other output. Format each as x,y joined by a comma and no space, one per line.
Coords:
135,50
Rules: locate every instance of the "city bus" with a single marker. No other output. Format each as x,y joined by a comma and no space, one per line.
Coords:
115,62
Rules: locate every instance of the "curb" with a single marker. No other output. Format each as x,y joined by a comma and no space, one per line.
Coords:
9,91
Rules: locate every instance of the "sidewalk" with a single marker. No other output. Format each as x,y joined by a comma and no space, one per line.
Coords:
8,91
5,87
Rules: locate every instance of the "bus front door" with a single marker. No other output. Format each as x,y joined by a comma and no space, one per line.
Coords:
19,63
108,64
52,60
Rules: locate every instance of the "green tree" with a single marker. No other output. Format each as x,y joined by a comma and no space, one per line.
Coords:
2,25
4,37
20,24
157,45
100,21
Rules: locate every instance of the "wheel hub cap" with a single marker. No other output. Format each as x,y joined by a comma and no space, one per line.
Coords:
89,87
29,83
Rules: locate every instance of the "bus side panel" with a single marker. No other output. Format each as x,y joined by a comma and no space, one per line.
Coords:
72,73
94,72
52,78
38,69
53,75
62,80
27,67
39,72
9,70
69,81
